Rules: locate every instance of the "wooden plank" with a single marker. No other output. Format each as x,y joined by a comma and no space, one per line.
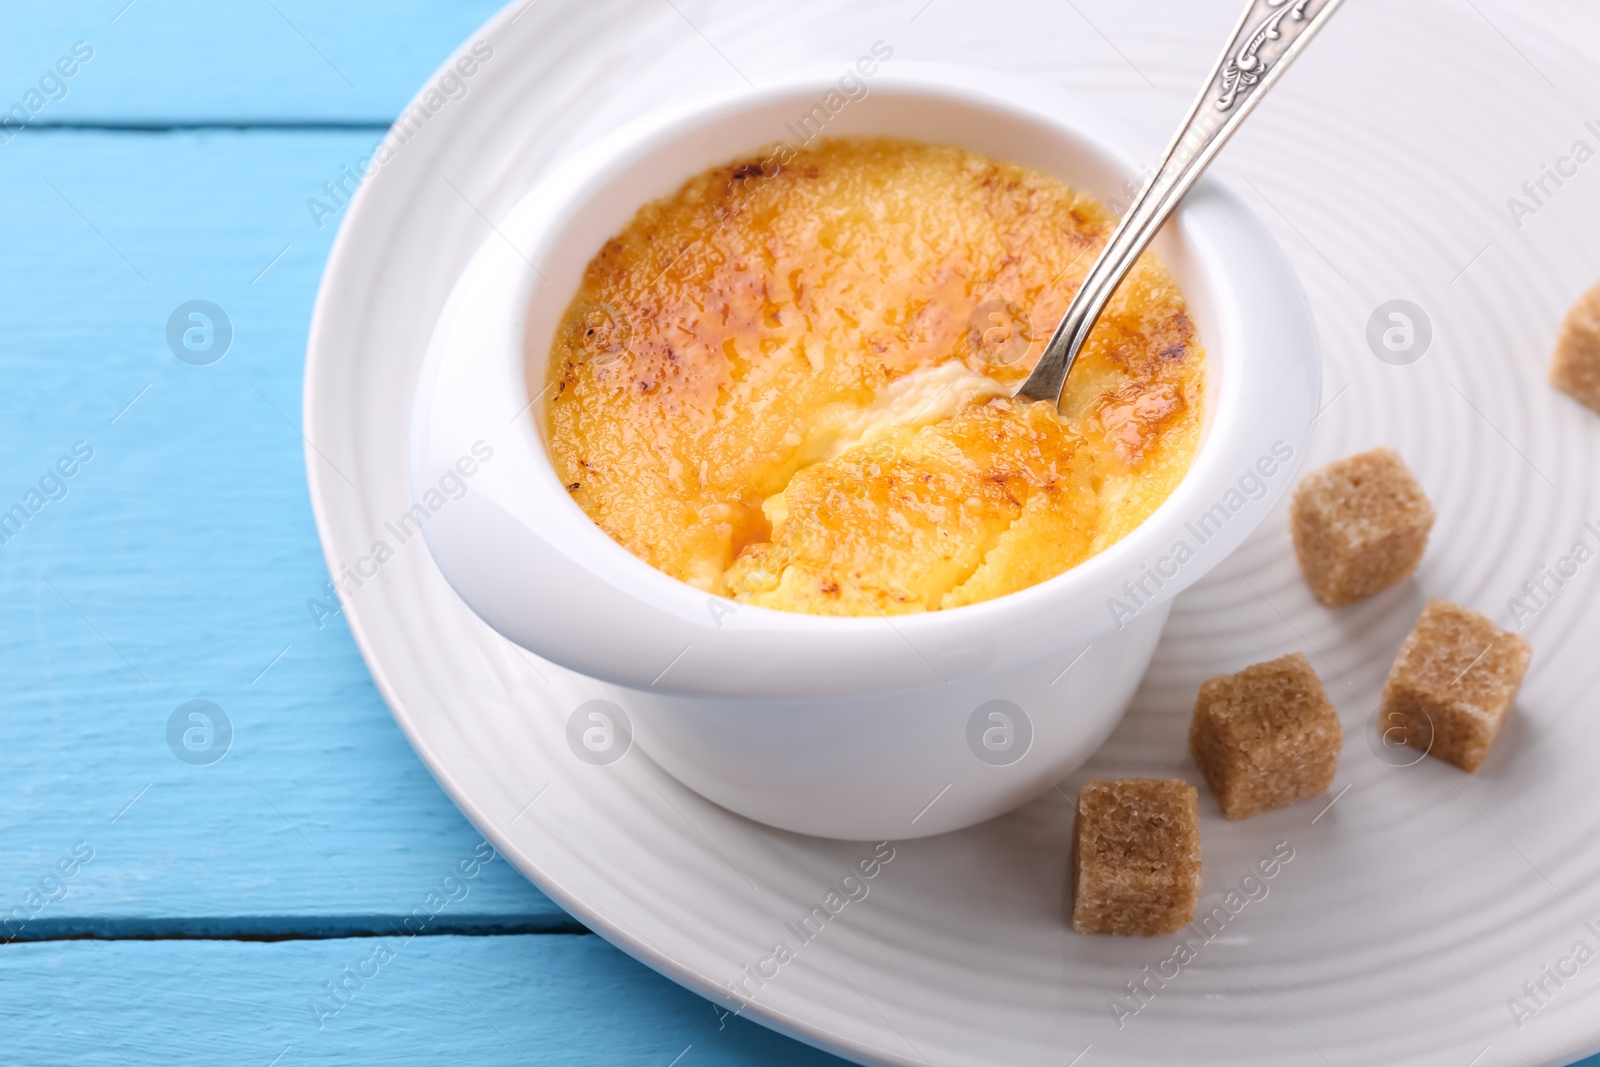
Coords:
552,999
178,561
197,60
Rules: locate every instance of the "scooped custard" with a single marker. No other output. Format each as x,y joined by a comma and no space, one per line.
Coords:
788,382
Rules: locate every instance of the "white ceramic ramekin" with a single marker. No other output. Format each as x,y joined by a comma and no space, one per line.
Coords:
864,728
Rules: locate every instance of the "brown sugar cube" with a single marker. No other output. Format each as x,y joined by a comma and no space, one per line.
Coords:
1360,526
1453,684
1135,856
1575,368
1265,737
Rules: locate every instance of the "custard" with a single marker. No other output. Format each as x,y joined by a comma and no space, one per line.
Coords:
788,383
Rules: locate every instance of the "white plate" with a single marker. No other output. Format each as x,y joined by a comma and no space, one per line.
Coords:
1418,904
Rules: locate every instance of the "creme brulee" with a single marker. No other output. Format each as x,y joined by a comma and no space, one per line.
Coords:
788,383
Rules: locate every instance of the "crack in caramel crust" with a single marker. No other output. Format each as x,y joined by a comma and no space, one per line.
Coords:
706,385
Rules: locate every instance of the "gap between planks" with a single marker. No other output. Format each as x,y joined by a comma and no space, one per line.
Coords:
285,928
273,125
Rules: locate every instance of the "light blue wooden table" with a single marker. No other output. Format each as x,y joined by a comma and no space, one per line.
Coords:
167,912
249,911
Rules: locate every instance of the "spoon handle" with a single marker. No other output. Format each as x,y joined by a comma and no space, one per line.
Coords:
1268,37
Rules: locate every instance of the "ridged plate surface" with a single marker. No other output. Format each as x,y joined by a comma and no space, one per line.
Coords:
1417,905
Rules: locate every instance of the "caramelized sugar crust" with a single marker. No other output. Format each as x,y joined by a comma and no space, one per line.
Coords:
785,383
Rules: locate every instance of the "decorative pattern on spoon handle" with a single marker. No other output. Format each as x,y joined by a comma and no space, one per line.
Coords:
1244,70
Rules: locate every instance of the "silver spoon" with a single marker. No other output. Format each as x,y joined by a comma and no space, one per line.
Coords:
1270,34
